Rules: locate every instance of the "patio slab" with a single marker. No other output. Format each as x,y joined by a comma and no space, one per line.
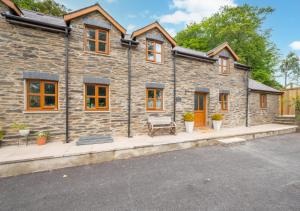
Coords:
15,160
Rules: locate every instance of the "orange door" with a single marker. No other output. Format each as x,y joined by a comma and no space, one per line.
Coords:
200,109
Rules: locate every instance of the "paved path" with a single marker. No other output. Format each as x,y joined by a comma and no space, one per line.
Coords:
260,175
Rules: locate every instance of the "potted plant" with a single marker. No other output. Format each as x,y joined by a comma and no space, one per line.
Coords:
42,137
217,121
1,136
22,128
189,121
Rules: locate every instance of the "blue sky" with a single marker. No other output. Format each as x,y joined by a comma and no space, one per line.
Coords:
175,14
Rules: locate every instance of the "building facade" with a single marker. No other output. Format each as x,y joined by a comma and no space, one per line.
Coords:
82,75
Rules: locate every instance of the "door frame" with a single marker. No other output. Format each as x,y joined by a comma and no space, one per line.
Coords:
205,106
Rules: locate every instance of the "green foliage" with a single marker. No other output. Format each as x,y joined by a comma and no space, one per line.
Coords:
290,67
2,133
217,117
49,7
189,117
297,103
241,27
42,134
18,126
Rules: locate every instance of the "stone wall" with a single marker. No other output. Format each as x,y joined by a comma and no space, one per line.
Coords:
27,49
144,71
192,74
257,115
113,66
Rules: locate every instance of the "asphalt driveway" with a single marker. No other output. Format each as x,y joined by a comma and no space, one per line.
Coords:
260,175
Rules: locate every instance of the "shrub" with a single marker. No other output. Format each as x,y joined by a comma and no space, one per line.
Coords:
17,126
189,117
217,117
1,134
42,134
297,103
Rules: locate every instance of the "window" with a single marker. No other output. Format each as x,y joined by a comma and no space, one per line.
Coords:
41,95
154,99
154,51
223,99
263,101
224,65
97,40
96,97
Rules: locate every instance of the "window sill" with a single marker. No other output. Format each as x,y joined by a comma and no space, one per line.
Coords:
155,111
96,111
41,112
224,74
149,62
96,54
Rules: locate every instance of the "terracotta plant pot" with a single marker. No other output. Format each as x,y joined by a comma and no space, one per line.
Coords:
41,140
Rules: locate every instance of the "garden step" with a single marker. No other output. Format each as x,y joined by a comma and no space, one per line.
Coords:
95,139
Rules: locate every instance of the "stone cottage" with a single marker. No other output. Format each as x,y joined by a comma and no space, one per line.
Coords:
82,75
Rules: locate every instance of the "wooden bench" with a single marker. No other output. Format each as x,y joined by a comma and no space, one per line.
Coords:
159,123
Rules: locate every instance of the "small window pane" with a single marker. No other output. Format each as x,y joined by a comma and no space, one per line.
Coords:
150,93
158,58
201,103
90,102
90,90
102,91
91,34
49,100
151,46
196,102
158,104
34,101
102,102
102,36
49,88
150,103
102,47
158,48
34,87
150,56
91,45
158,93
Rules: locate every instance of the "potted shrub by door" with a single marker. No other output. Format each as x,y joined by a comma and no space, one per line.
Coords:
22,128
217,121
42,137
189,121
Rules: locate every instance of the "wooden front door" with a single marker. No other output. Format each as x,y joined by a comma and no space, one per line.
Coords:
200,109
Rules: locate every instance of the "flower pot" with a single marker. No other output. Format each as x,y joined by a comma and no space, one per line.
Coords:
217,124
189,126
41,140
24,132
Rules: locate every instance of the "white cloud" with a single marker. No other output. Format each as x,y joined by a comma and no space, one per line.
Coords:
130,28
295,45
171,31
188,11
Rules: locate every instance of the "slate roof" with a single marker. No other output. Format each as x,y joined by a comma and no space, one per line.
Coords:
191,52
48,19
257,86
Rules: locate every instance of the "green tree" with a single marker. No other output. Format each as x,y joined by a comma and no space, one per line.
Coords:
49,7
290,68
241,27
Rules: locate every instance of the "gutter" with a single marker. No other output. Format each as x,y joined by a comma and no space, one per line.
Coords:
34,23
174,89
67,83
247,99
191,56
129,44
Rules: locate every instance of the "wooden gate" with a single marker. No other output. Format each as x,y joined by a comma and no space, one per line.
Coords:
288,101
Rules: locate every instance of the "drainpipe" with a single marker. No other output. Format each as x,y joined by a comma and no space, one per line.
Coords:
247,99
129,89
174,75
67,83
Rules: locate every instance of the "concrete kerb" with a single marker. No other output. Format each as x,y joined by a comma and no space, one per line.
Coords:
77,159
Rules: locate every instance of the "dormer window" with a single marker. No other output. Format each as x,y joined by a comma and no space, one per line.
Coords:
96,40
224,65
154,51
